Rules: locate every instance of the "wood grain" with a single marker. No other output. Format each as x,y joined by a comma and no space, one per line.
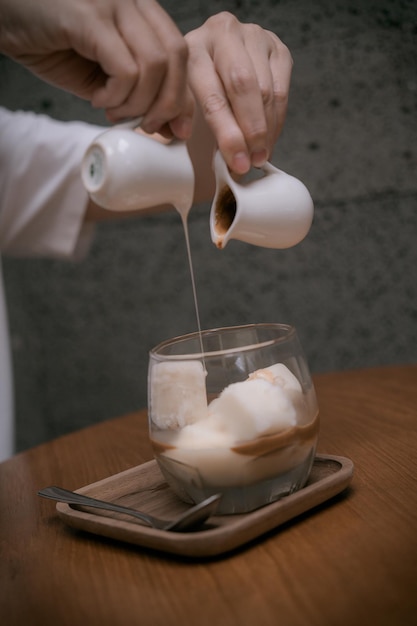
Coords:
144,488
354,562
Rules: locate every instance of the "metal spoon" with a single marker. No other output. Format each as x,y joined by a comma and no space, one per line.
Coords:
191,518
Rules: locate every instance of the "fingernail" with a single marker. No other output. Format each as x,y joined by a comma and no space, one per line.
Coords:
259,158
240,163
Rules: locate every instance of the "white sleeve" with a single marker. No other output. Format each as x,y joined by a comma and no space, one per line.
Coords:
42,198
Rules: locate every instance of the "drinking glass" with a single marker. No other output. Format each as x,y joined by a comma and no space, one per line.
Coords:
233,410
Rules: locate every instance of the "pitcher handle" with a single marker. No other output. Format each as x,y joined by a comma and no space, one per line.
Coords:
268,168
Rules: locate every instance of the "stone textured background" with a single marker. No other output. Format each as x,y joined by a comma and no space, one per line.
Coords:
81,331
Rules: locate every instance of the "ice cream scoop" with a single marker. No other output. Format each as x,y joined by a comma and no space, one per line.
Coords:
264,403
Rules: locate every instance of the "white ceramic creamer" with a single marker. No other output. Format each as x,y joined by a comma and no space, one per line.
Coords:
271,211
124,170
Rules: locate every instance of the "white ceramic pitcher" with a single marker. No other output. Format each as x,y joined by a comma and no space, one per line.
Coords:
123,170
273,211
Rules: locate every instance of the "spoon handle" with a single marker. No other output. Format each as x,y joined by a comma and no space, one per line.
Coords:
70,497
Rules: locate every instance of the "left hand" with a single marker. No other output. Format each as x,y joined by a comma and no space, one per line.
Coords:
240,75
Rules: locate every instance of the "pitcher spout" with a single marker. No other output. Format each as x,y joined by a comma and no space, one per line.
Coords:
126,171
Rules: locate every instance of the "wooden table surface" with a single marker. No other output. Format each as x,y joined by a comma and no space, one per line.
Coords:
352,561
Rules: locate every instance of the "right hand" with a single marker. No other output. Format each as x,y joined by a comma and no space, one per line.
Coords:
127,57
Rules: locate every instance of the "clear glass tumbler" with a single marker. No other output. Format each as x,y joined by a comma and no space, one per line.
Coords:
234,411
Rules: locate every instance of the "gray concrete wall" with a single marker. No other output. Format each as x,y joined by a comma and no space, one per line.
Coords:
81,331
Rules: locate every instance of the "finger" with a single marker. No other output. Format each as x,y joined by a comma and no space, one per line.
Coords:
80,76
182,125
173,100
213,102
210,93
260,47
281,64
224,38
160,93
151,62
237,73
108,49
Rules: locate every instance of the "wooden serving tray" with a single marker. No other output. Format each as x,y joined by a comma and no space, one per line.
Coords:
143,487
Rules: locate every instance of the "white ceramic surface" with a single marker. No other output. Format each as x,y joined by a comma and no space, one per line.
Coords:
125,170
274,210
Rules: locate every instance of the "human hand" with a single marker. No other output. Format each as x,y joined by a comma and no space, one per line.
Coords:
127,57
240,75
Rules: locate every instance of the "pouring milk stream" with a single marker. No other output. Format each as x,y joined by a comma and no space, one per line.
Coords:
125,170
